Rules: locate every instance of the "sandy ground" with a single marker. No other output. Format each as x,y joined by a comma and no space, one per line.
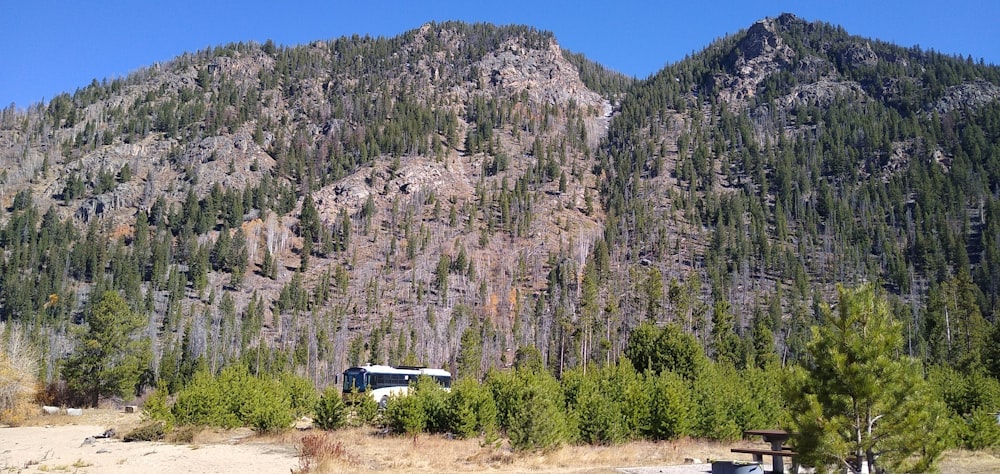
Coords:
63,446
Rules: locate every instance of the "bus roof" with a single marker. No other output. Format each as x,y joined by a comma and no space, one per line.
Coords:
385,369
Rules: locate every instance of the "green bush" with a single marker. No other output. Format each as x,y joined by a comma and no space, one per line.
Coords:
267,408
671,407
608,405
330,410
756,398
980,430
728,401
530,406
636,398
364,409
238,388
301,393
157,408
470,410
202,402
714,396
669,348
504,386
405,415
234,398
423,408
971,399
433,401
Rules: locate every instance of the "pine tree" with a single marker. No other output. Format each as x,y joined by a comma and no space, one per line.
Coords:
861,403
108,358
726,345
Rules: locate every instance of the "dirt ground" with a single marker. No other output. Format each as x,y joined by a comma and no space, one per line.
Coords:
61,443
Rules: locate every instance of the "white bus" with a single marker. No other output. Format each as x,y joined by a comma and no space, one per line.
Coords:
383,381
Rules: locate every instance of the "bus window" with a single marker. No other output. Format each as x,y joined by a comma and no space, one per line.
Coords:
354,379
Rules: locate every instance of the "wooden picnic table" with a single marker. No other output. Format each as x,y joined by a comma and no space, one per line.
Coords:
777,451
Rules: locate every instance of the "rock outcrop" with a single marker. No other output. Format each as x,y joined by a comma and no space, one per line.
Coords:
759,54
969,95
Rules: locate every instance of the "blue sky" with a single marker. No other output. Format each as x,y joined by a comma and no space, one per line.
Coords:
48,47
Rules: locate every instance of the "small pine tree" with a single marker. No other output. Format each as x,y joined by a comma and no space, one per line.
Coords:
405,415
331,412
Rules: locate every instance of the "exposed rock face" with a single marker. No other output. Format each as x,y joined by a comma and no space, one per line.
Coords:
234,162
970,95
858,55
822,93
544,75
759,54
760,40
413,177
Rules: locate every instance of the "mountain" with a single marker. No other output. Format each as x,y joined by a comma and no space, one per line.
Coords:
459,192
792,156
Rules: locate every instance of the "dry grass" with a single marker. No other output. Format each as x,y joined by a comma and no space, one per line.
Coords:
110,418
361,449
970,462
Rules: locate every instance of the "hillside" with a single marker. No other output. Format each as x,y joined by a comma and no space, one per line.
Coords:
458,192
791,157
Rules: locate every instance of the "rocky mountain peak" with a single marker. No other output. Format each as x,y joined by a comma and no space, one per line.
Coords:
760,52
761,39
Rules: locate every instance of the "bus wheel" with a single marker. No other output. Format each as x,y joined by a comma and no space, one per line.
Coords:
383,402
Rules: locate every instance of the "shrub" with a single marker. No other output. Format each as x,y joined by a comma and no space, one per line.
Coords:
301,393
530,407
267,407
157,408
316,450
599,419
153,431
971,399
433,402
505,388
671,407
364,409
669,348
330,410
471,410
237,388
980,430
405,415
714,396
597,411
202,403
318,446
234,398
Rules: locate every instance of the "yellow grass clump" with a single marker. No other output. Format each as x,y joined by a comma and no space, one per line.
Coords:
18,377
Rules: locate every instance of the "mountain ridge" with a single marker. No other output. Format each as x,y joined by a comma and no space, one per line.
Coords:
466,186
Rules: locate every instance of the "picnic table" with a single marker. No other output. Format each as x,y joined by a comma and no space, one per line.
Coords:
778,451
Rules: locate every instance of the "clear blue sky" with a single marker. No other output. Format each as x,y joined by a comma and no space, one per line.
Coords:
48,47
